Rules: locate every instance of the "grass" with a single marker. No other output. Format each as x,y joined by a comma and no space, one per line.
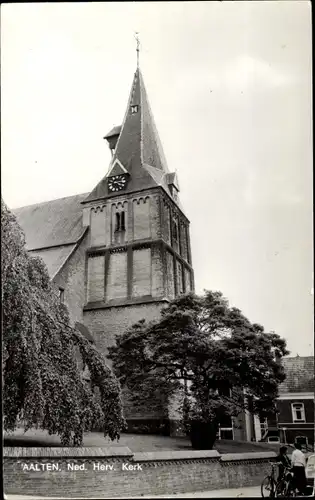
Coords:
136,442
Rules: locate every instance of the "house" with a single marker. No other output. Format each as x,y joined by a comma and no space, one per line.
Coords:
295,405
121,252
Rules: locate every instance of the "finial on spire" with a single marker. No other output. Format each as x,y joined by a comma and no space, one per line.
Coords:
138,47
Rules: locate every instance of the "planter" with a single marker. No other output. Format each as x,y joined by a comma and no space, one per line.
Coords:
202,435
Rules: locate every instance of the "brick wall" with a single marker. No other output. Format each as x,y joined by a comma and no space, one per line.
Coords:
183,241
166,223
96,278
170,275
105,324
187,280
116,280
179,277
155,216
141,218
158,473
285,409
141,272
72,279
157,272
99,222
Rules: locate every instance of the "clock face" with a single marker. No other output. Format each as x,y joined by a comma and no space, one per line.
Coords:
117,183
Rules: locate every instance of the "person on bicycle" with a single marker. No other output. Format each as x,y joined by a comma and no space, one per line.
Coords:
284,461
298,461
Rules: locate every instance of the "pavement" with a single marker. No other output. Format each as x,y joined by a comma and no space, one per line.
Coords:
254,491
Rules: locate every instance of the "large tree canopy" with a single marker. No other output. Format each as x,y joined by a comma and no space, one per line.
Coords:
42,376
206,350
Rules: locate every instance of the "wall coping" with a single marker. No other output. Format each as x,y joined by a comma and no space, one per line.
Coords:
125,452
155,456
232,457
84,452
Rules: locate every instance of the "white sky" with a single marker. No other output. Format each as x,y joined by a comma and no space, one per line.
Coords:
230,88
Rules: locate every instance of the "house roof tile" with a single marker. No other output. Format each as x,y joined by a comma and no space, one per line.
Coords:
299,374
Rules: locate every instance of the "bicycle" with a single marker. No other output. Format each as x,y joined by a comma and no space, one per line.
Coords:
285,486
269,483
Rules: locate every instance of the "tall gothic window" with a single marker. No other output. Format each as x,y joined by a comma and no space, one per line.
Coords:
175,230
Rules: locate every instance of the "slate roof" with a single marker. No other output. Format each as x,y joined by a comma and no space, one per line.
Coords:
52,229
54,257
138,147
299,374
51,223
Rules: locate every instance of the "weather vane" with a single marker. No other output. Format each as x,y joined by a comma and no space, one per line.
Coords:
138,47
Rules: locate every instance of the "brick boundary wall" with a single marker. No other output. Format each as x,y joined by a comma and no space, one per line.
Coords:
127,474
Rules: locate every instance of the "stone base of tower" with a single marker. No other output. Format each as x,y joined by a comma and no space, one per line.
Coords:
107,322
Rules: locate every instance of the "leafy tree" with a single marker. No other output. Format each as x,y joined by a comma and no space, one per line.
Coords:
42,353
207,351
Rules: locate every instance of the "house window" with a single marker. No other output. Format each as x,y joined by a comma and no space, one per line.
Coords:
120,221
263,425
298,413
61,295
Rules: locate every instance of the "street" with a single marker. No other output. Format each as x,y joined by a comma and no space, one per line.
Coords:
253,491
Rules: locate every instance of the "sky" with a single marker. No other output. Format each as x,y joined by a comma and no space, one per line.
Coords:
230,88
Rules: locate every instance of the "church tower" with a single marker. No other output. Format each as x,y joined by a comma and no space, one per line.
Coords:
138,255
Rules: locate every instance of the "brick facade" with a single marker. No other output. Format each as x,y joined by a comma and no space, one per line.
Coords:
133,270
158,473
107,322
297,390
71,278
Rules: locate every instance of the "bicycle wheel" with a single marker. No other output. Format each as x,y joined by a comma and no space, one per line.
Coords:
267,487
289,491
280,489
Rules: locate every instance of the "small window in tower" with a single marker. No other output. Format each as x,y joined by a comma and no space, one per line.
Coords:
61,295
134,109
120,222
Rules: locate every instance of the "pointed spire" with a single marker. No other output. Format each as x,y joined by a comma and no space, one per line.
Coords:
138,148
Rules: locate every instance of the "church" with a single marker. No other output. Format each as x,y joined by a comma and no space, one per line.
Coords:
119,253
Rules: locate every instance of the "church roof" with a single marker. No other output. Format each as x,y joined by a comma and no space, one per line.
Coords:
299,374
138,149
52,229
51,223
54,257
